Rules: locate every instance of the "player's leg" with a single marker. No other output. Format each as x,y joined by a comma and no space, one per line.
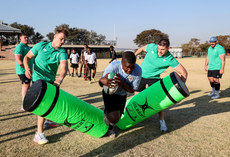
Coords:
39,137
211,81
76,70
141,86
163,126
114,107
94,72
72,70
81,66
25,87
216,81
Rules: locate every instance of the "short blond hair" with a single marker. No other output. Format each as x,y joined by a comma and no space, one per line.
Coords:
62,30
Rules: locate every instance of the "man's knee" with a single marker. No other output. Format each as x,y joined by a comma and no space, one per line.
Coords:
114,117
216,81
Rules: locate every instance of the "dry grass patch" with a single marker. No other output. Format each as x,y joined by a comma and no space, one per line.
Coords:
197,125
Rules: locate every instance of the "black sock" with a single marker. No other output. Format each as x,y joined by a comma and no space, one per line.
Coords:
93,75
217,86
212,84
111,127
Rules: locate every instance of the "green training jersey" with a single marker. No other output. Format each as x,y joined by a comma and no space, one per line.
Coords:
47,60
153,65
22,49
214,61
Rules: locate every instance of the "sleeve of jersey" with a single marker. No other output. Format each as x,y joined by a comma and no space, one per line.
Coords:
17,50
109,69
137,80
173,62
35,49
222,51
150,47
63,56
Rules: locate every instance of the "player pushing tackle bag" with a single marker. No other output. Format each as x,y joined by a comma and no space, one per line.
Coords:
52,103
155,98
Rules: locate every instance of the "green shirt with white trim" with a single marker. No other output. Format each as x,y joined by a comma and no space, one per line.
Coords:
214,61
47,60
153,65
22,49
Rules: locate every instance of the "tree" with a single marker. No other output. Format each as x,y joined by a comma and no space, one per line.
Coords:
37,37
79,36
50,36
224,40
149,36
29,31
192,47
204,47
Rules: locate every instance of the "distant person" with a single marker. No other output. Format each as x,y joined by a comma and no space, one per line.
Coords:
91,62
74,61
82,61
214,64
113,54
20,51
47,57
128,76
156,61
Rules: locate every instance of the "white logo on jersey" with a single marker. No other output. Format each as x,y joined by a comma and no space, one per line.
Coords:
152,52
130,78
164,60
44,50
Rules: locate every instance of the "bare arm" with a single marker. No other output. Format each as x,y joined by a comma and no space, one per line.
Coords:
26,60
222,58
143,48
206,64
182,71
19,60
122,84
64,68
96,63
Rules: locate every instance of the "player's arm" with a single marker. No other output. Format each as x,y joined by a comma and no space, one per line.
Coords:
206,64
64,68
95,62
182,71
222,58
105,81
122,84
26,60
143,48
19,60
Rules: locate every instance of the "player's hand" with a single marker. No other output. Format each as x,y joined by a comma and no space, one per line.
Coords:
118,80
28,73
221,71
58,82
206,68
108,82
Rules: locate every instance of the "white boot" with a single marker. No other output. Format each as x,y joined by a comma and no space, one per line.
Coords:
163,127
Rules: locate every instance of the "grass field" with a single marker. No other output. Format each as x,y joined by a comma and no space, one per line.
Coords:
198,126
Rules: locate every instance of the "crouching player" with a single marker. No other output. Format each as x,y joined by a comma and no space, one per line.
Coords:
128,76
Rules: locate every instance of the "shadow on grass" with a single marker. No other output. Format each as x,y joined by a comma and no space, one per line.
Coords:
176,118
24,115
24,135
10,114
57,137
9,81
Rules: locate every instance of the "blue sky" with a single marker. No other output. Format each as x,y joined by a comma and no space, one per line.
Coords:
180,19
